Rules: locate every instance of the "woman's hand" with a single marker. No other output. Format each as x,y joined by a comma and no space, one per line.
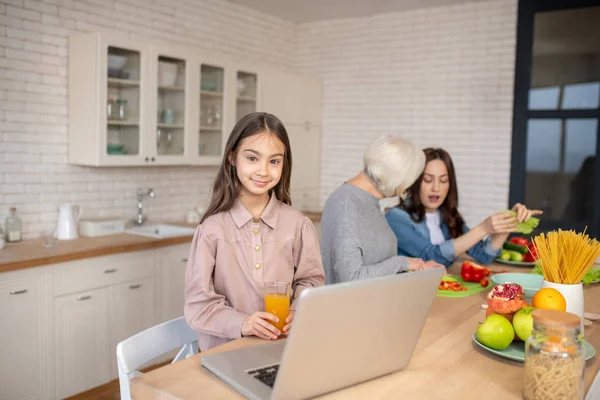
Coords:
523,214
500,223
415,264
288,322
258,324
432,264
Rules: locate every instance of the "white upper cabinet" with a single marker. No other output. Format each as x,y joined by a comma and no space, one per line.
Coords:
134,103
172,78
108,92
297,101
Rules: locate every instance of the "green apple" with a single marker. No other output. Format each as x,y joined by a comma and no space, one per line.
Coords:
505,255
516,256
496,332
523,323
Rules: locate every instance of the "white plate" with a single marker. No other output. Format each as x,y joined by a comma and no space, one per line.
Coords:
515,263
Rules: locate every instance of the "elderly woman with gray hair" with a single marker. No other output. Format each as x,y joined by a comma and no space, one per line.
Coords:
357,242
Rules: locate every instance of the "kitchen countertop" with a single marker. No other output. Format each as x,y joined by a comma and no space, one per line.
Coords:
446,363
30,253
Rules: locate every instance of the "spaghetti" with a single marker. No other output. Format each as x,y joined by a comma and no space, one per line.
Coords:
566,256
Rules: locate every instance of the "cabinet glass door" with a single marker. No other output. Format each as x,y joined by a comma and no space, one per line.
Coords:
123,102
170,105
246,84
212,84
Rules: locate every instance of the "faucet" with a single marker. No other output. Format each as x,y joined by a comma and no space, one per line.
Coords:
141,218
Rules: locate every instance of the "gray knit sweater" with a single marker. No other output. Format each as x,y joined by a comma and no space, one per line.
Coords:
357,242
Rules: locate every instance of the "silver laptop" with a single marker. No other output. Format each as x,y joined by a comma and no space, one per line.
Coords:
342,334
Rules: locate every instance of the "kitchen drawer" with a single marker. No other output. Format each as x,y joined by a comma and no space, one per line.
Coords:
102,271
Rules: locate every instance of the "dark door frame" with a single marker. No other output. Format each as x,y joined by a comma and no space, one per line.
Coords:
525,28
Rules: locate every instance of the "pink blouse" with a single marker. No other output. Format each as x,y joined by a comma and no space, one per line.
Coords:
233,253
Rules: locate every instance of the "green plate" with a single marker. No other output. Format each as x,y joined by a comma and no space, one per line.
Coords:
515,263
516,350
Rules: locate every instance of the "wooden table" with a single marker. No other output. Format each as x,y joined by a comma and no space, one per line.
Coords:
446,363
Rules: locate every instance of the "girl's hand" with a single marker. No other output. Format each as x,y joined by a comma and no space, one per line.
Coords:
523,214
258,324
499,223
288,322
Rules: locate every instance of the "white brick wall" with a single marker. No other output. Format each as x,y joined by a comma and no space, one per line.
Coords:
34,175
440,77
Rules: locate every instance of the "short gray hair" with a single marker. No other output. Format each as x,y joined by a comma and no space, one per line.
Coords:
393,165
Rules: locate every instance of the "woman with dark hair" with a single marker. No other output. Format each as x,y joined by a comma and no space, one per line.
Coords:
428,224
249,235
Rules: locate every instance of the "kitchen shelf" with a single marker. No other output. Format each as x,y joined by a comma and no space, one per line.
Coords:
116,82
170,126
246,99
121,123
172,88
211,93
210,128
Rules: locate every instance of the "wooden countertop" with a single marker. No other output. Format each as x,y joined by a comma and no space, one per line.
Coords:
31,253
446,363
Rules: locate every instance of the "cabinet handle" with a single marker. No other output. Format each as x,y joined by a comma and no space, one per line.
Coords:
135,286
152,159
147,159
184,260
19,291
81,298
110,271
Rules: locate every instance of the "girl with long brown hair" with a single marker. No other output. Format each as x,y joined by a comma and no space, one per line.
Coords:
428,224
249,235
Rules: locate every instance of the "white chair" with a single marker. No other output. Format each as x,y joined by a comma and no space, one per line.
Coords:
143,347
594,391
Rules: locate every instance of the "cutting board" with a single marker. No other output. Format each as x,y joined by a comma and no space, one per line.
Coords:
472,288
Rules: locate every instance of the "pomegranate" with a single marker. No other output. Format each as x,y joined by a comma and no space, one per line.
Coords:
506,298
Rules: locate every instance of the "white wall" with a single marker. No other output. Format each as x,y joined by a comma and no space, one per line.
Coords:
34,175
441,77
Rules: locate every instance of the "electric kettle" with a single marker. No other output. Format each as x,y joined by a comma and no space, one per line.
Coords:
66,228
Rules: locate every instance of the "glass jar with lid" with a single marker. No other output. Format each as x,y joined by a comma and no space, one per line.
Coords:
554,359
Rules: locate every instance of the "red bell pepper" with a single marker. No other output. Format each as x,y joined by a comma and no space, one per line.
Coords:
472,272
531,255
521,241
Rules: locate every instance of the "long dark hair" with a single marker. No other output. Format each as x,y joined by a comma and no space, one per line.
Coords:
449,208
227,185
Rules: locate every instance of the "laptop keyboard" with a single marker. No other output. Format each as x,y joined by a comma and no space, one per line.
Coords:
266,375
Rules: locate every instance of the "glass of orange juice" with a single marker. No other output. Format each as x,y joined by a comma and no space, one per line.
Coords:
277,301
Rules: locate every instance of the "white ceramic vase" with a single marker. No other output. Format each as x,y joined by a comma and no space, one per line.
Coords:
573,295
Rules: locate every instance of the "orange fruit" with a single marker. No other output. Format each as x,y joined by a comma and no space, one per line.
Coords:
549,299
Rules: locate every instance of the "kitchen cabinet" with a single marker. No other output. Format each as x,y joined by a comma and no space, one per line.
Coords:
82,344
132,309
61,323
132,103
26,315
172,262
297,101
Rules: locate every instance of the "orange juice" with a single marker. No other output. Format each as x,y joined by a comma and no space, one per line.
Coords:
278,304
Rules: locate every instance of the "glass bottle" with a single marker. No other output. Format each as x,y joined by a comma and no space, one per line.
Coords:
122,109
110,109
554,360
12,226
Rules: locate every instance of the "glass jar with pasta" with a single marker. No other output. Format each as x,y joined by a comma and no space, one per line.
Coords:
554,361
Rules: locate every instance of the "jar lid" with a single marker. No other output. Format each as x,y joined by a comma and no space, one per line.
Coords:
556,319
